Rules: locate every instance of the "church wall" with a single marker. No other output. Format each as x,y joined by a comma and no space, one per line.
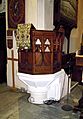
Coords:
40,14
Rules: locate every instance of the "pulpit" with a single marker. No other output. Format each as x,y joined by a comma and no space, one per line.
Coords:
45,53
39,63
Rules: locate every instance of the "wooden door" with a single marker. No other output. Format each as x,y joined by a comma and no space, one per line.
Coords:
3,51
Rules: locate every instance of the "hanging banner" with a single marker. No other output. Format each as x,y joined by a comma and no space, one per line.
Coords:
16,13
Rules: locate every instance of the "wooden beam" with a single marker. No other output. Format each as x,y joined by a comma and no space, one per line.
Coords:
12,59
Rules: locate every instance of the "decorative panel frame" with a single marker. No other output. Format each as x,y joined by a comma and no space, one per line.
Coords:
16,13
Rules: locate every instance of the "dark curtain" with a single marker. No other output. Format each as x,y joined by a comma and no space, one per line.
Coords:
3,50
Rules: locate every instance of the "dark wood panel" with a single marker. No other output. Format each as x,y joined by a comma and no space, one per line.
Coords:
45,55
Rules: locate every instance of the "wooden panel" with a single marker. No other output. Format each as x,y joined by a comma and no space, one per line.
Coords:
44,56
38,58
43,69
79,61
47,59
25,61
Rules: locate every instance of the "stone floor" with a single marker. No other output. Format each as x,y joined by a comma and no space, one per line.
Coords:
14,105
